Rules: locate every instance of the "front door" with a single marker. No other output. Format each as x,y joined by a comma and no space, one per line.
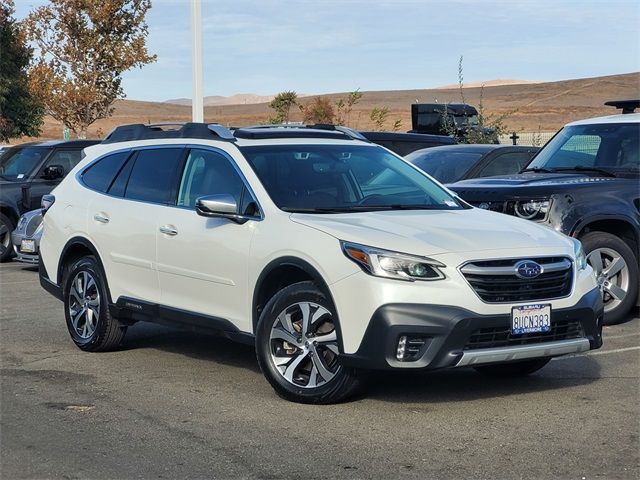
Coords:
203,262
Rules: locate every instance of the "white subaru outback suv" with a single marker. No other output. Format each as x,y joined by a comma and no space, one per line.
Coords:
331,255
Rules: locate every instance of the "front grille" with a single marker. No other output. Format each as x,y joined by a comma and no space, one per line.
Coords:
501,336
495,281
33,224
500,207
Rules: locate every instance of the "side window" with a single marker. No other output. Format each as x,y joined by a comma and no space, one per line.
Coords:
505,164
119,184
100,175
153,175
208,173
67,158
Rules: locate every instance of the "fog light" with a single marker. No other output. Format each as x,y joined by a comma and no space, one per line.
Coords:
402,343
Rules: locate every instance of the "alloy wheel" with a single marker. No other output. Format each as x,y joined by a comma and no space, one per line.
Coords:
612,273
84,304
304,345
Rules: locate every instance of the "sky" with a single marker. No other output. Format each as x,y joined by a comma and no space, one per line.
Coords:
268,46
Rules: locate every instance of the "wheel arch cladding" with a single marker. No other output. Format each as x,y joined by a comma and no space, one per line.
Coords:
75,249
618,226
281,273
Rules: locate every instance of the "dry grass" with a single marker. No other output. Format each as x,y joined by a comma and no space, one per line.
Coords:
547,106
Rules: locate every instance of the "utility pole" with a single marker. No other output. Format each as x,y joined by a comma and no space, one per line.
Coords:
197,102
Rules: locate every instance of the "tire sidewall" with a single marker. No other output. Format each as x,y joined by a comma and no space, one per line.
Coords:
10,227
89,265
594,240
300,292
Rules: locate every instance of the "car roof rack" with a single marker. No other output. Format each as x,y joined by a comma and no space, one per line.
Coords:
139,131
291,130
627,106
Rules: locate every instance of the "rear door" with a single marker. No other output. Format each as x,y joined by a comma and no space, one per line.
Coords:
123,221
203,262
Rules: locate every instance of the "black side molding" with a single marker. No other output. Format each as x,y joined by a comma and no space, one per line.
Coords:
130,309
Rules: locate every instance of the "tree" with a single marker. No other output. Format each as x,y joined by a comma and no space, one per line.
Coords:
345,106
379,117
320,110
282,104
84,46
20,113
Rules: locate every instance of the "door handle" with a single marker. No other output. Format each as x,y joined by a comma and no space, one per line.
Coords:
99,217
169,230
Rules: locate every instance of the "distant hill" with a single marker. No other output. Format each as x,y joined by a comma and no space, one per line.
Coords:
488,83
217,100
545,105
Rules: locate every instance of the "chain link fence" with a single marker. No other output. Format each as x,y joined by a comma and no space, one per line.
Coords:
536,139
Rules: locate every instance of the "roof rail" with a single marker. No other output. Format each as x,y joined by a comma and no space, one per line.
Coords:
298,130
139,131
627,106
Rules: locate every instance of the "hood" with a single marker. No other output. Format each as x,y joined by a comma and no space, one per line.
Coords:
530,179
433,232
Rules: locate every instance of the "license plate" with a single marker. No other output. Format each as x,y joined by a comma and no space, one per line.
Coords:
28,246
530,319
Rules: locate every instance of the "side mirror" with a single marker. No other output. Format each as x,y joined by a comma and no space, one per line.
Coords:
220,206
53,172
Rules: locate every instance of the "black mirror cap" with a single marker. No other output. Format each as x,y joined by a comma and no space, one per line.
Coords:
53,172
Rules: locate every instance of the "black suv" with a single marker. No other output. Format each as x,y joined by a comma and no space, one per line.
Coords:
27,172
585,182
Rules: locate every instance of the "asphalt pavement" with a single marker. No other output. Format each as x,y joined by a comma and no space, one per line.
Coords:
173,404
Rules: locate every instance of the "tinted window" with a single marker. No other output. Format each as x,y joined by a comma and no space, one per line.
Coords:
100,175
119,185
153,174
208,173
67,158
505,164
445,166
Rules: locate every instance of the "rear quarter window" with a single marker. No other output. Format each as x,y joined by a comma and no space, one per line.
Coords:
100,174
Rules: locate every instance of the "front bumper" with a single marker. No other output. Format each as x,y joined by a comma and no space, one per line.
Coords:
25,257
447,332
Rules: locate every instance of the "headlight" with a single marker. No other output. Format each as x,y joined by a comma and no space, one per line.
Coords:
22,223
532,209
384,263
578,252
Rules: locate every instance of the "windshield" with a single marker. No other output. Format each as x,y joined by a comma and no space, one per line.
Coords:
466,120
609,147
343,178
445,166
18,163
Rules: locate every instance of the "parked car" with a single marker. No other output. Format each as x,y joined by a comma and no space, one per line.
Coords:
453,163
585,182
27,172
405,143
26,237
445,118
279,237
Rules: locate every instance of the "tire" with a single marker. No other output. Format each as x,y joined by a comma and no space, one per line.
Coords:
86,308
605,251
6,227
304,369
514,369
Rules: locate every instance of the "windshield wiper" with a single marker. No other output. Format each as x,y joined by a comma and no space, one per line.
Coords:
536,170
581,168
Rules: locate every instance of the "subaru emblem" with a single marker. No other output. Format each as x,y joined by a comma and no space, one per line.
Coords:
528,269
484,206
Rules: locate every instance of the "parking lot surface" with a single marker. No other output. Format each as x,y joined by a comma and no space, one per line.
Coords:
174,404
